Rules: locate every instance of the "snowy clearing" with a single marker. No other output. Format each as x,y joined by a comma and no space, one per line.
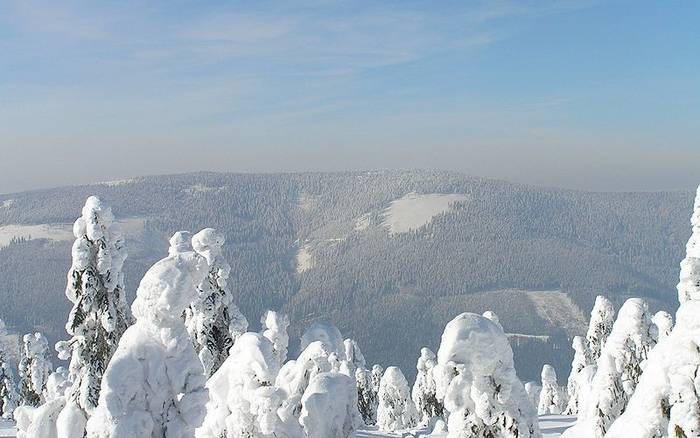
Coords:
414,210
7,203
116,182
304,259
59,232
557,308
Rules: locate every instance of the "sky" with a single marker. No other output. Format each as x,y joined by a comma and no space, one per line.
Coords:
594,95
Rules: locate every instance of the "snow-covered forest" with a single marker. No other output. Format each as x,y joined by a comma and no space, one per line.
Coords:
181,361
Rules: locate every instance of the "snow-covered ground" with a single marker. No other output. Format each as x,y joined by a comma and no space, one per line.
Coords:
414,210
552,426
556,307
59,232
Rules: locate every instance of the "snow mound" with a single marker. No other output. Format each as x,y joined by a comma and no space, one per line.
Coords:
329,407
416,210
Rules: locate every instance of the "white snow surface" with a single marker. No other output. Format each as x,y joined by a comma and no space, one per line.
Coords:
305,260
60,232
416,210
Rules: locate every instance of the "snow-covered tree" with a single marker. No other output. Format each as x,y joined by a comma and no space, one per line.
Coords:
367,401
354,358
212,320
663,321
581,360
396,409
326,333
533,390
9,399
619,369
599,327
57,384
274,328
294,377
154,384
242,399
552,399
377,373
666,402
34,369
423,391
99,315
329,407
485,397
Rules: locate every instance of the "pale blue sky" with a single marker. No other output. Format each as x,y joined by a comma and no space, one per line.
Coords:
601,95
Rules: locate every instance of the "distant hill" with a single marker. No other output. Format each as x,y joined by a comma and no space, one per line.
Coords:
389,256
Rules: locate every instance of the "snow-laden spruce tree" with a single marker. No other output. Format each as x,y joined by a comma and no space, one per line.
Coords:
618,371
274,328
663,321
484,397
377,373
99,315
212,320
329,407
154,384
242,399
423,391
552,399
581,360
354,358
34,369
328,334
396,409
9,399
533,390
666,401
599,326
295,375
367,401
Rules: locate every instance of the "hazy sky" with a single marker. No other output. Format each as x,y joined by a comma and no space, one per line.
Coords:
596,95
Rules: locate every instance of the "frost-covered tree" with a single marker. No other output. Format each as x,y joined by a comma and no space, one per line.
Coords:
533,390
484,396
242,399
154,386
599,327
377,373
34,369
580,361
663,321
396,409
294,377
619,369
328,334
354,358
423,391
212,320
552,400
99,315
9,399
666,401
329,407
367,401
274,328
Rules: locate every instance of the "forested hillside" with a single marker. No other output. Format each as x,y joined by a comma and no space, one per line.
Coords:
385,255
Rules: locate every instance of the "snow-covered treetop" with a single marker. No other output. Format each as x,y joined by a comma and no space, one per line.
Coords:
274,327
426,360
326,333
600,325
167,288
180,242
663,322
354,355
253,359
493,317
689,284
549,376
208,243
476,342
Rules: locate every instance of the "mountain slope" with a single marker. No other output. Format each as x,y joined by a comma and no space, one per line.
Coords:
389,256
